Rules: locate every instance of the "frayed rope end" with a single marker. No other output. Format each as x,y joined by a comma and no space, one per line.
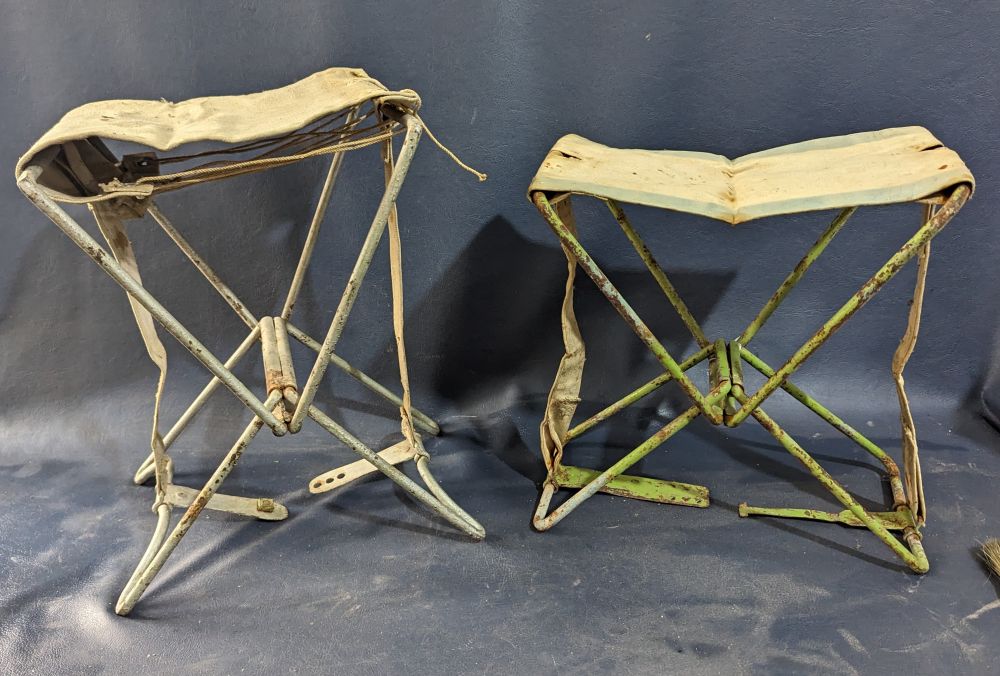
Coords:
454,158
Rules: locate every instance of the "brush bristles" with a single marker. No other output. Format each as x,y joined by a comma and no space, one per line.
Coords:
991,554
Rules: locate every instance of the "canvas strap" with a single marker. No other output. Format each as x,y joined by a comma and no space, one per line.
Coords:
110,217
912,477
565,393
396,274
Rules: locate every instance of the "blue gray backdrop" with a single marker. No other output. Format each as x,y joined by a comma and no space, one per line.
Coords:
363,581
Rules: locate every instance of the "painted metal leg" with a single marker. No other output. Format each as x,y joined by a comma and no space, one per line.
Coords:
144,575
459,519
795,275
203,267
913,555
409,146
910,249
251,321
836,422
100,256
146,469
155,543
394,455
572,245
543,522
635,395
472,527
307,248
658,274
612,480
423,421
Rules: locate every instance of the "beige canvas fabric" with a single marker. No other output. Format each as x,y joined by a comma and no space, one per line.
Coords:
905,164
565,394
111,224
912,476
877,167
164,126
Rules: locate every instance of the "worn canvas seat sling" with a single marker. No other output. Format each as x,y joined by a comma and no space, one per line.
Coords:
324,115
844,172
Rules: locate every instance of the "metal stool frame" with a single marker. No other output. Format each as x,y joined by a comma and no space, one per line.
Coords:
727,402
285,407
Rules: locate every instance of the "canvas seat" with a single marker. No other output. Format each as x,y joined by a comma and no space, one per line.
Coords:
881,167
168,146
249,132
906,164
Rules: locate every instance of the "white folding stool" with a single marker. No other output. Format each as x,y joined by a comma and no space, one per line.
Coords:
326,114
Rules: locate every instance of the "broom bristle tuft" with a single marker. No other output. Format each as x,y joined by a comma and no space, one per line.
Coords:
991,554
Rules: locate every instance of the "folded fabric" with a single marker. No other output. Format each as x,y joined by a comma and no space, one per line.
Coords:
290,123
878,167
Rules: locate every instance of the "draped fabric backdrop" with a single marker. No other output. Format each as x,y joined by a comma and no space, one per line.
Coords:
363,581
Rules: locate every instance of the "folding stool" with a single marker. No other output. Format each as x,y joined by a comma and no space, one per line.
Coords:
844,172
326,114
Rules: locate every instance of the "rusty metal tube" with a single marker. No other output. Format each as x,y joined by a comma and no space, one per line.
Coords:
409,146
795,275
403,481
914,559
573,246
658,274
133,592
422,462
27,184
204,268
635,395
910,249
422,420
637,454
307,248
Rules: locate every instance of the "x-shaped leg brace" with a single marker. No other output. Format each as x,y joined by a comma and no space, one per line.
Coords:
727,389
284,408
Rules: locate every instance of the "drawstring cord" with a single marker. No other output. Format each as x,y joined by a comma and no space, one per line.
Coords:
447,151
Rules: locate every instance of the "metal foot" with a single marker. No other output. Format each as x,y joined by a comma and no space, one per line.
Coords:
640,488
899,520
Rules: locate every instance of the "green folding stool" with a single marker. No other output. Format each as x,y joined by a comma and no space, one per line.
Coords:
891,166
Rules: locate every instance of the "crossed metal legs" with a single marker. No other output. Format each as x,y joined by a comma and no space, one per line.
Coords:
285,407
726,401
